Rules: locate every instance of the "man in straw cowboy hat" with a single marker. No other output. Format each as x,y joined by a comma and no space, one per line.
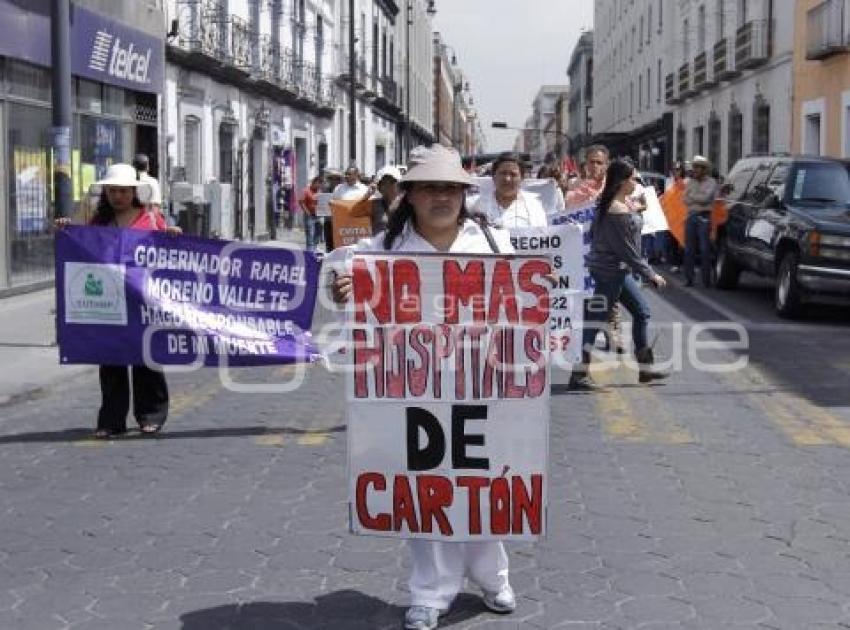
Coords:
700,191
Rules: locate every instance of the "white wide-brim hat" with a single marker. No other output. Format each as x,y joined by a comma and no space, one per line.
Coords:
388,171
122,175
436,164
701,160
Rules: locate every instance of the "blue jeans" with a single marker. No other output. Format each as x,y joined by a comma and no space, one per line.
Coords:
311,230
608,291
698,239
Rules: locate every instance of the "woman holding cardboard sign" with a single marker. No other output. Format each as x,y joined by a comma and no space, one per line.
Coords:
432,217
122,204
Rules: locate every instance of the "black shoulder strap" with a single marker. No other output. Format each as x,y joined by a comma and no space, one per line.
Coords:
481,220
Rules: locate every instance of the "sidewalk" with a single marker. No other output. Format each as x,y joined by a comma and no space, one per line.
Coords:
28,348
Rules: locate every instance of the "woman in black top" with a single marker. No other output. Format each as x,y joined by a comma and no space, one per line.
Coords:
614,258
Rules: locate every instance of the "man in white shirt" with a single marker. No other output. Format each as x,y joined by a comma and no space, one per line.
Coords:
352,189
141,163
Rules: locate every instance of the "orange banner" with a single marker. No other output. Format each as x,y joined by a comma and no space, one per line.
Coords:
347,230
676,211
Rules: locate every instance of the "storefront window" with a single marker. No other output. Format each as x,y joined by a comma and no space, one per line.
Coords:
30,212
89,96
27,81
101,143
113,100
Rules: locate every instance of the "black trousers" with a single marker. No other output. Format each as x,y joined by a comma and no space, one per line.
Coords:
150,396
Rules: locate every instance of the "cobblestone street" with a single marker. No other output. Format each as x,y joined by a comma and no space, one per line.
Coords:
714,502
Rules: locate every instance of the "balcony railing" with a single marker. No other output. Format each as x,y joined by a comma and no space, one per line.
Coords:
360,77
751,44
389,90
685,88
241,42
267,67
206,29
203,27
825,34
671,94
311,78
724,60
327,92
703,73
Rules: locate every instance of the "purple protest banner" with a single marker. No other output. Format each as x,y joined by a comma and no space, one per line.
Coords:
130,297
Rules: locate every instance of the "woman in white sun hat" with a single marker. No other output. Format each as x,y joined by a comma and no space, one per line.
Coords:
432,217
122,198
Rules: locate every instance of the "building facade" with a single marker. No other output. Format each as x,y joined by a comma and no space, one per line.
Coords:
633,49
731,83
821,103
544,136
454,118
250,100
580,102
681,78
117,61
418,70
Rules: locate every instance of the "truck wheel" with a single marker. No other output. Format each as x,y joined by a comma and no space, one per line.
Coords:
726,270
788,301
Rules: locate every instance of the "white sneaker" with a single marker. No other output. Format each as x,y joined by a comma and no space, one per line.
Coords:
502,602
422,618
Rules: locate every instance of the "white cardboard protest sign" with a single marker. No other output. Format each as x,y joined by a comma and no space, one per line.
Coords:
323,204
563,243
654,219
448,396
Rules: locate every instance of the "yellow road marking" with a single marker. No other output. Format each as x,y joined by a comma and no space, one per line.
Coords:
313,438
270,440
800,420
284,370
91,442
187,400
635,414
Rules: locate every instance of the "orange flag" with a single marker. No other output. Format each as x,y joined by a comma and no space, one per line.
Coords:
673,204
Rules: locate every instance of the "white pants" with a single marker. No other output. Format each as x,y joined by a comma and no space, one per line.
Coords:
439,568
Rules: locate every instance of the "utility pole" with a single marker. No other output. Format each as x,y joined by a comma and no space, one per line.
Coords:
60,37
352,92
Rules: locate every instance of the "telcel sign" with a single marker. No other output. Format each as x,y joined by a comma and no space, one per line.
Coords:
109,56
111,52
102,49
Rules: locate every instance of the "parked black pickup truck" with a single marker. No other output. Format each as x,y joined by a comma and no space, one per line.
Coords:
789,218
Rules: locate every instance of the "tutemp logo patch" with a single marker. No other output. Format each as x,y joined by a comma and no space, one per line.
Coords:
94,294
